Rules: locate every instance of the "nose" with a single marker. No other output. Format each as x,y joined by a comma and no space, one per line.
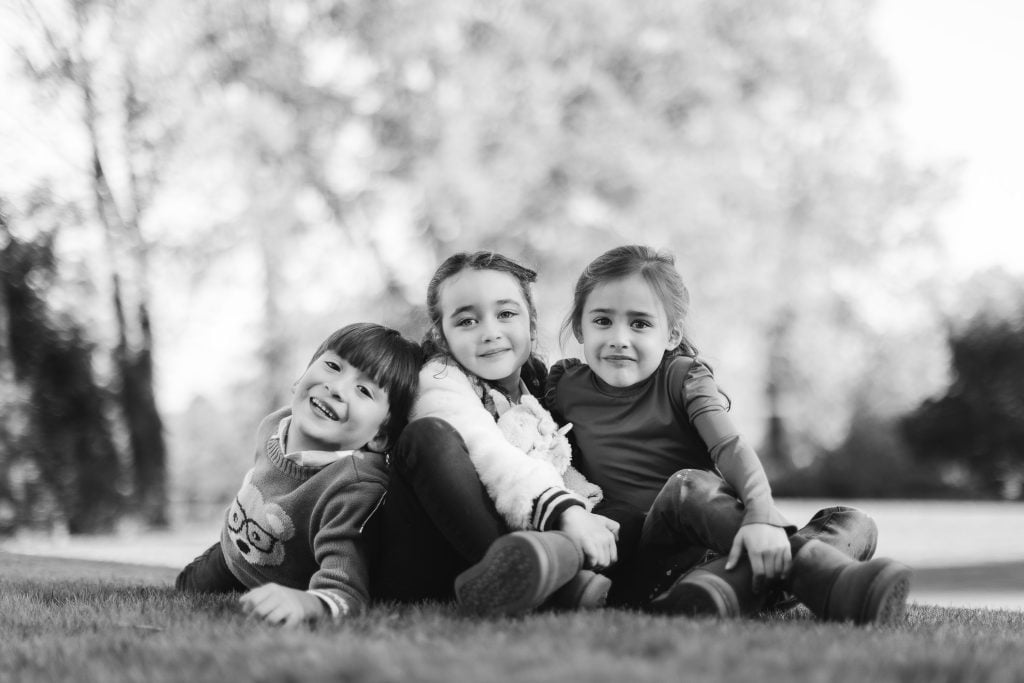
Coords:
337,389
489,331
619,337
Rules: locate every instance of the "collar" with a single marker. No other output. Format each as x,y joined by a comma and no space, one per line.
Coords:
305,458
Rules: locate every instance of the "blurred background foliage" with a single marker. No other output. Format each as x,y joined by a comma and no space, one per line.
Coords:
206,189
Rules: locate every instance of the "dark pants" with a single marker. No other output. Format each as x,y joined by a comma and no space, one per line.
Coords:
696,516
437,519
208,573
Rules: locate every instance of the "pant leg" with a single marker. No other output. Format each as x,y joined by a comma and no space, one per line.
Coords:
208,573
694,508
695,515
437,518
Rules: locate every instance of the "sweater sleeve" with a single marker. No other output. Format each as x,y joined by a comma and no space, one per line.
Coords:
341,548
735,459
527,492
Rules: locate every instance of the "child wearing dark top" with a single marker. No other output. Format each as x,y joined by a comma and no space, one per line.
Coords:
651,428
295,535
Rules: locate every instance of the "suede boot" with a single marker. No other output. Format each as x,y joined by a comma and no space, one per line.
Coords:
519,572
710,590
586,590
837,588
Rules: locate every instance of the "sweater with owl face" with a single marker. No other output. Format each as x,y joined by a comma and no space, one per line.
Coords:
300,519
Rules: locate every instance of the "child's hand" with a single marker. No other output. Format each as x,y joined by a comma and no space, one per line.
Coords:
595,534
767,547
280,605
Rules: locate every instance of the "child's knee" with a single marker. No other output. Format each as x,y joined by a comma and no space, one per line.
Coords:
426,439
690,488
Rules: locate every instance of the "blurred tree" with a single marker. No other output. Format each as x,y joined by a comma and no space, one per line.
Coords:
59,464
753,140
91,49
974,434
323,156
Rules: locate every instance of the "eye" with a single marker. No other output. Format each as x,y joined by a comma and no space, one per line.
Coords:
365,391
465,322
505,315
601,321
333,365
641,324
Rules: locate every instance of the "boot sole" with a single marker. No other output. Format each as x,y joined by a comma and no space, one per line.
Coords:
509,580
886,602
699,594
595,593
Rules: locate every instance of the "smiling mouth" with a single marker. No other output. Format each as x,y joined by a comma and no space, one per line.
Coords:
324,409
619,359
491,354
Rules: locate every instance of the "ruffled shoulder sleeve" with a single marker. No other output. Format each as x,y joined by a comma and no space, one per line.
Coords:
555,375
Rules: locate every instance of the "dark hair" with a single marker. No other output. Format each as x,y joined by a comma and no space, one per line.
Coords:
658,268
391,360
434,341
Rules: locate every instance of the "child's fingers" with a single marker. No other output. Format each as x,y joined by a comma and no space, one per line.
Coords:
758,567
734,553
612,526
277,614
787,563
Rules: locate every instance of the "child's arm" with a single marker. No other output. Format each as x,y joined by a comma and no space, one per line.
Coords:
764,534
341,545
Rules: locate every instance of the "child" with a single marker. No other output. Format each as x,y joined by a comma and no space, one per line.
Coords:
652,430
459,485
294,535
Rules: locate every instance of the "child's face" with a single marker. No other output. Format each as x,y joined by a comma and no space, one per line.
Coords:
335,406
625,331
486,322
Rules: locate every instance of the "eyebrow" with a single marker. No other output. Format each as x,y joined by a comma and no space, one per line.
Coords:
607,311
472,309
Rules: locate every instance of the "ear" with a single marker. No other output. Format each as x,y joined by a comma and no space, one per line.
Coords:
674,337
379,443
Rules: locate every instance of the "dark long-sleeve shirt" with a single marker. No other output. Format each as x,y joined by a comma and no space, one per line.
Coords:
630,440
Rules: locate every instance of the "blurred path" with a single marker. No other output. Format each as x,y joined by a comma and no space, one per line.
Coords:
968,554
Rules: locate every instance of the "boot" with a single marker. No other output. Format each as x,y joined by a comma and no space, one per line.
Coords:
586,590
837,588
710,590
519,572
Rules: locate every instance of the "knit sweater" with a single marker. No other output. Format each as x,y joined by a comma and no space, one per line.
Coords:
527,492
630,440
299,519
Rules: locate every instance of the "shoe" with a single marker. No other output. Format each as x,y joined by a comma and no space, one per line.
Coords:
711,591
518,573
837,588
586,590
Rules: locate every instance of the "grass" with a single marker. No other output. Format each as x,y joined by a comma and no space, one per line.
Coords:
76,620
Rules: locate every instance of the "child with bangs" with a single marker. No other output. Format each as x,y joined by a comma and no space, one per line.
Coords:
295,537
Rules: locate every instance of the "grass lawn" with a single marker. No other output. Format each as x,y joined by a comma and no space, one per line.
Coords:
77,620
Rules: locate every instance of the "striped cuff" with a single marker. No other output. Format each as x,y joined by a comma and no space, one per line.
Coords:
335,603
550,505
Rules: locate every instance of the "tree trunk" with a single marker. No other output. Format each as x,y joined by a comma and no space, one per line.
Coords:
133,353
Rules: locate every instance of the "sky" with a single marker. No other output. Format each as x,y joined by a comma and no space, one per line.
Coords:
958,65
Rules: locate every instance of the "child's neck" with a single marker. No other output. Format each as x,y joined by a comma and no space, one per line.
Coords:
295,443
511,387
